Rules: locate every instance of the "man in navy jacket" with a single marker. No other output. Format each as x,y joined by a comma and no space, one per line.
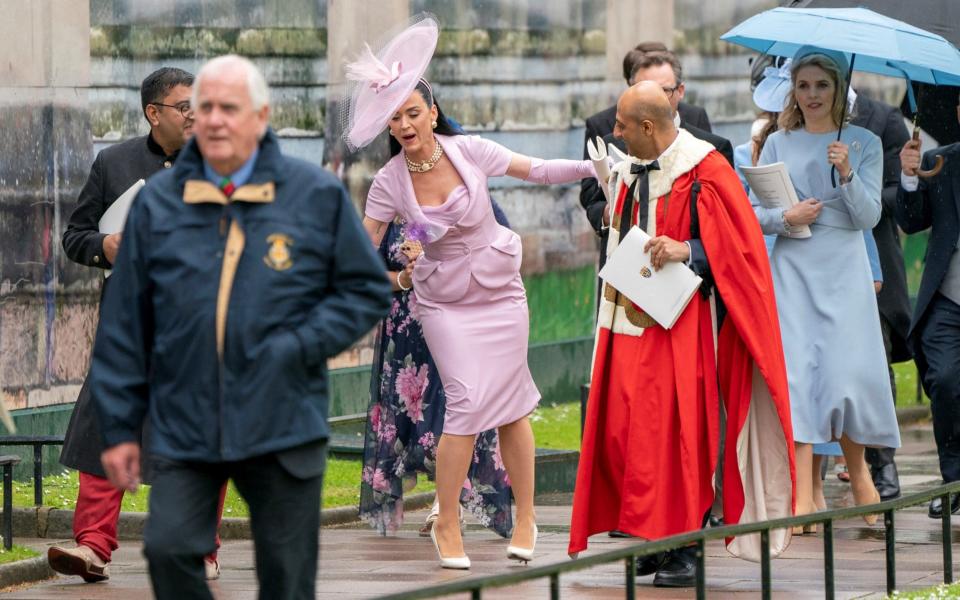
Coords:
935,330
241,271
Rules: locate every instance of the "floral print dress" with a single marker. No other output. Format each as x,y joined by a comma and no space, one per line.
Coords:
405,420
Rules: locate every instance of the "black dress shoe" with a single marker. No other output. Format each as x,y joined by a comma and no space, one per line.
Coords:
936,507
648,565
886,480
679,569
618,534
715,521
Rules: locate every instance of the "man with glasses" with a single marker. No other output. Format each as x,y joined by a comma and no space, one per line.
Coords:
664,69
165,100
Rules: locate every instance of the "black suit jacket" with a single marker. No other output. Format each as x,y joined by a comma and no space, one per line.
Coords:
887,123
113,172
934,204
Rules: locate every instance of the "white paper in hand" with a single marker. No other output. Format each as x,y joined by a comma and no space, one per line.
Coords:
772,186
598,154
662,294
112,221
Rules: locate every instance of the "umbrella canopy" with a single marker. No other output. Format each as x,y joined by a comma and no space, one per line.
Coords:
881,45
941,17
938,105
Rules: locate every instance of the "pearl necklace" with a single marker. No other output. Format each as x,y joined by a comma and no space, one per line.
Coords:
423,167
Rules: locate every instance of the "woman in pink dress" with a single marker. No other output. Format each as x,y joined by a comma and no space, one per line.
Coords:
470,299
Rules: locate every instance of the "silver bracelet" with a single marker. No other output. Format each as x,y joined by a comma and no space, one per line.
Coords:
400,285
786,226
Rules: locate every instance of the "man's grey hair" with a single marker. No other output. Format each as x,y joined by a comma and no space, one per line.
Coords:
256,84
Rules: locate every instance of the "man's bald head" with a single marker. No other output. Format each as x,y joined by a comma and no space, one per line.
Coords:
646,100
645,120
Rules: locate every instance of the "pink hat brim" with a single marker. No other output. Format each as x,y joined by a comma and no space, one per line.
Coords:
373,108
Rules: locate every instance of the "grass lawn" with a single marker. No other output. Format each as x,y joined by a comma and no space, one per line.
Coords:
16,553
554,427
931,593
341,487
557,427
906,374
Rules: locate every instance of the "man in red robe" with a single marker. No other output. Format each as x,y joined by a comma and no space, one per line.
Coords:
651,440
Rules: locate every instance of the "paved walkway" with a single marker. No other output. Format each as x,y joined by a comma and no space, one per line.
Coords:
356,563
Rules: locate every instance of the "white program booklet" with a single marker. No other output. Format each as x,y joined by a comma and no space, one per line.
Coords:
662,294
112,221
598,154
773,187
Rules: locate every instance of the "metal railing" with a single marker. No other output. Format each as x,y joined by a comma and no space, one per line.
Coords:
629,554
8,462
38,442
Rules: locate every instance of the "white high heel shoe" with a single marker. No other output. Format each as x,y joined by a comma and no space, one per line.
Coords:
523,554
459,562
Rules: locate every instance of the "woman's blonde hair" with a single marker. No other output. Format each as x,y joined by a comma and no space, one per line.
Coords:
792,116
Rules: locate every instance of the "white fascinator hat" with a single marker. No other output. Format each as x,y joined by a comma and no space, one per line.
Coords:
383,80
771,93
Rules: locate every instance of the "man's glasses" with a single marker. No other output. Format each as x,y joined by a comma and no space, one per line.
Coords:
669,91
183,107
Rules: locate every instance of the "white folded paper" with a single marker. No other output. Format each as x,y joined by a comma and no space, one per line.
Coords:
774,189
112,221
662,294
598,154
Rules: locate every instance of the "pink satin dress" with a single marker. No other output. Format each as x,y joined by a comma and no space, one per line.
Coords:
470,299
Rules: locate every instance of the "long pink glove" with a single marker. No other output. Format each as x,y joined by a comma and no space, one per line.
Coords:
559,170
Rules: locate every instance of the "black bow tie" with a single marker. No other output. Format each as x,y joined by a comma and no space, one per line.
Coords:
638,169
626,213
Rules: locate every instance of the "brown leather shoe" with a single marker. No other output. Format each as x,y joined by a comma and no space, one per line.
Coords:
81,561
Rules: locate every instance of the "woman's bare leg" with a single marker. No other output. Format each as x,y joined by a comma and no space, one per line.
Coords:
818,499
517,450
861,483
454,454
804,462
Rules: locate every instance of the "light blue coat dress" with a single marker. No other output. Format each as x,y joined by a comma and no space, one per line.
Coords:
836,366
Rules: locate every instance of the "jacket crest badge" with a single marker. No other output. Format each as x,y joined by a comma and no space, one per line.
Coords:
278,254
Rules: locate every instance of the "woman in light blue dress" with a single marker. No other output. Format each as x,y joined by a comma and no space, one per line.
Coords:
825,294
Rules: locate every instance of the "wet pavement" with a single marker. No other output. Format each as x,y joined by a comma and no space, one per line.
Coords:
357,563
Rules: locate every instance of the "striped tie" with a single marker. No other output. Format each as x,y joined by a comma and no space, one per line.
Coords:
227,187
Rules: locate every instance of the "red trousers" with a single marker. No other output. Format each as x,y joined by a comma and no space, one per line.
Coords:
98,508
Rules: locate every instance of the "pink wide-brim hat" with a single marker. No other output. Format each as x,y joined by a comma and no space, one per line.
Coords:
384,81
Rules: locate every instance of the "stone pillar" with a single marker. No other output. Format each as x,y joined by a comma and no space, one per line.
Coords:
47,304
630,22
349,24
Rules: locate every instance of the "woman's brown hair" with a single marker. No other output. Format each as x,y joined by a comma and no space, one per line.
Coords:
761,138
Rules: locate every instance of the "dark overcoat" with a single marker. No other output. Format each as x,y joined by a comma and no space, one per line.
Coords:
115,169
894,302
934,205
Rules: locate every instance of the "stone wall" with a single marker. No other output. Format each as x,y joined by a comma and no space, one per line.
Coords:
47,304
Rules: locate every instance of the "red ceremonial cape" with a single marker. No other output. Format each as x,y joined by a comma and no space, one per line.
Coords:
650,442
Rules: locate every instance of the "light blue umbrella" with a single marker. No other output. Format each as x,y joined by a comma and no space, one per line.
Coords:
872,43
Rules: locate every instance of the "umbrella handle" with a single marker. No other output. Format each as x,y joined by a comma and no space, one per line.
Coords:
843,115
938,165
